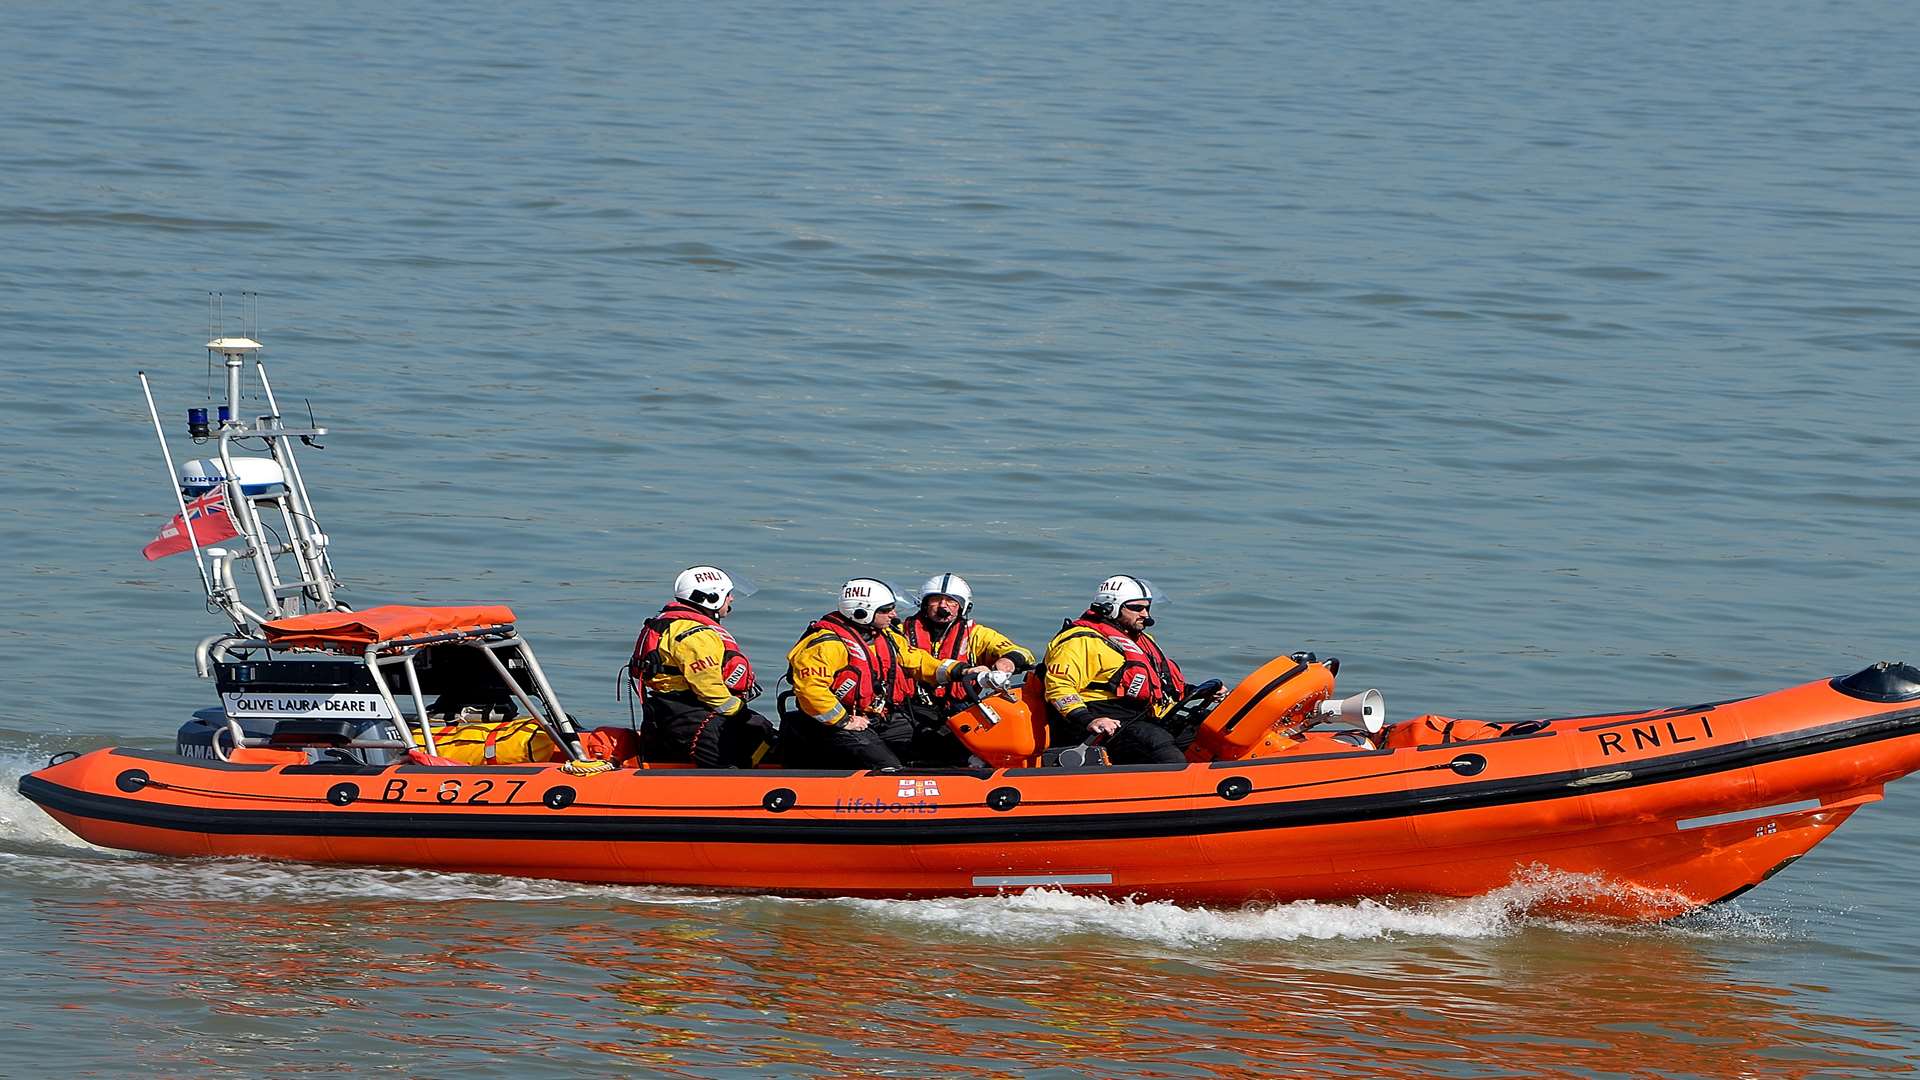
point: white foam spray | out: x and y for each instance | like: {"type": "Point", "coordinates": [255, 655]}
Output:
{"type": "Point", "coordinates": [22, 824]}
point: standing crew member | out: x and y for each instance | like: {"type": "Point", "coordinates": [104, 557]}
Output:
{"type": "Point", "coordinates": [1108, 681]}
{"type": "Point", "coordinates": [852, 673]}
{"type": "Point", "coordinates": [694, 681]}
{"type": "Point", "coordinates": [944, 626]}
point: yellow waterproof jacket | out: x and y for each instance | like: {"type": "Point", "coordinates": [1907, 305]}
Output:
{"type": "Point", "coordinates": [984, 644]}
{"type": "Point", "coordinates": [693, 655]}
{"type": "Point", "coordinates": [837, 671]}
{"type": "Point", "coordinates": [968, 642]}
{"type": "Point", "coordinates": [1082, 667]}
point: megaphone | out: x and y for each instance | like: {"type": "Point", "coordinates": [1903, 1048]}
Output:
{"type": "Point", "coordinates": [1367, 709]}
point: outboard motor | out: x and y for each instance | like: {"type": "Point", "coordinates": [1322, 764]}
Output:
{"type": "Point", "coordinates": [197, 736]}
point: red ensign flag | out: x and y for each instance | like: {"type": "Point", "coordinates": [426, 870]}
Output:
{"type": "Point", "coordinates": [211, 524]}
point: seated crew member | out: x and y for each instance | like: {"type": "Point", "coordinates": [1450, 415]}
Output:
{"type": "Point", "coordinates": [694, 682]}
{"type": "Point", "coordinates": [1107, 680]}
{"type": "Point", "coordinates": [852, 673]}
{"type": "Point", "coordinates": [944, 626]}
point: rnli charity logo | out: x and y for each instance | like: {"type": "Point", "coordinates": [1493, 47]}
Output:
{"type": "Point", "coordinates": [856, 592]}
{"type": "Point", "coordinates": [1137, 684]}
{"type": "Point", "coordinates": [912, 798]}
{"type": "Point", "coordinates": [845, 686]}
{"type": "Point", "coordinates": [706, 575]}
{"type": "Point", "coordinates": [1113, 584]}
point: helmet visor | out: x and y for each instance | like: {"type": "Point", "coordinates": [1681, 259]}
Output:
{"type": "Point", "coordinates": [743, 585]}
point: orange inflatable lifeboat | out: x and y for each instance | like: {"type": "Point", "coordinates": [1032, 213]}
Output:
{"type": "Point", "coordinates": [324, 749]}
{"type": "Point", "coordinates": [1648, 813]}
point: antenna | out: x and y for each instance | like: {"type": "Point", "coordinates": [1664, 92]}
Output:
{"type": "Point", "coordinates": [265, 496]}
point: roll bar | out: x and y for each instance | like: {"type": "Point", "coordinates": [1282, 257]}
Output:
{"type": "Point", "coordinates": [401, 652]}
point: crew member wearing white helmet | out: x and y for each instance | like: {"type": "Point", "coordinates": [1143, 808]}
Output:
{"type": "Point", "coordinates": [694, 681]}
{"type": "Point", "coordinates": [1108, 681]}
{"type": "Point", "coordinates": [852, 673]}
{"type": "Point", "coordinates": [944, 626]}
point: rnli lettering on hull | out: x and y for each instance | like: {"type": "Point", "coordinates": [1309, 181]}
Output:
{"type": "Point", "coordinates": [1656, 734]}
{"type": "Point", "coordinates": [284, 705]}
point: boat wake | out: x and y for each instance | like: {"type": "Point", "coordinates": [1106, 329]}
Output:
{"type": "Point", "coordinates": [1038, 915]}
{"type": "Point", "coordinates": [24, 826]}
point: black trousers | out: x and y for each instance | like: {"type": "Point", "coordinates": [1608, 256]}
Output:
{"type": "Point", "coordinates": [807, 743]}
{"type": "Point", "coordinates": [934, 743]}
{"type": "Point", "coordinates": [1141, 739]}
{"type": "Point", "coordinates": [681, 727]}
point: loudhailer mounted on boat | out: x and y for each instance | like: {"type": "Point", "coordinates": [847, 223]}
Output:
{"type": "Point", "coordinates": [322, 750]}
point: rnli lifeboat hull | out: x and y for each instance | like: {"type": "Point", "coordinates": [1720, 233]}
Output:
{"type": "Point", "coordinates": [1643, 815]}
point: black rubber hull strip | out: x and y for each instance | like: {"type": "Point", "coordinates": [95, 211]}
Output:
{"type": "Point", "coordinates": [538, 823]}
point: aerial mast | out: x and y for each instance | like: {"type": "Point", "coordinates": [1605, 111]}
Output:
{"type": "Point", "coordinates": [265, 496]}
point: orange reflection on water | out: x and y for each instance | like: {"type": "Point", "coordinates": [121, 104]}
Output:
{"type": "Point", "coordinates": [835, 988]}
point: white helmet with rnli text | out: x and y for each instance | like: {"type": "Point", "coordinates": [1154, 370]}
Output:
{"type": "Point", "coordinates": [949, 585]}
{"type": "Point", "coordinates": [1119, 589]}
{"type": "Point", "coordinates": [863, 596]}
{"type": "Point", "coordinates": [708, 587]}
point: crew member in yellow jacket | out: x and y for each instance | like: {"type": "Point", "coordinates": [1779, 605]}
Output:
{"type": "Point", "coordinates": [944, 626]}
{"type": "Point", "coordinates": [852, 674]}
{"type": "Point", "coordinates": [1107, 681]}
{"type": "Point", "coordinates": [694, 681]}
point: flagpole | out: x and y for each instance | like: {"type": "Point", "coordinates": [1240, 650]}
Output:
{"type": "Point", "coordinates": [173, 481]}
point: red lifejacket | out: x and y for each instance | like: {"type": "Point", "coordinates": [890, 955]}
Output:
{"type": "Point", "coordinates": [872, 672]}
{"type": "Point", "coordinates": [955, 644]}
{"type": "Point", "coordinates": [1146, 674]}
{"type": "Point", "coordinates": [735, 669]}
{"type": "Point", "coordinates": [1171, 679]}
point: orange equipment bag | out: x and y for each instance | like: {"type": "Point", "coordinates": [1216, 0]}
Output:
{"type": "Point", "coordinates": [1259, 718]}
{"type": "Point", "coordinates": [499, 742]}
{"type": "Point", "coordinates": [618, 745]}
{"type": "Point", "coordinates": [1433, 729]}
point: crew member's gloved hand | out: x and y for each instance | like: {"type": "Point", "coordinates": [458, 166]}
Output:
{"type": "Point", "coordinates": [1098, 728]}
{"type": "Point", "coordinates": [995, 682]}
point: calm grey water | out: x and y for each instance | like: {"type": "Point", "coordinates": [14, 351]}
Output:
{"type": "Point", "coordinates": [1533, 358]}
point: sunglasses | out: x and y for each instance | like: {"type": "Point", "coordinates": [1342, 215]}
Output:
{"type": "Point", "coordinates": [1134, 607]}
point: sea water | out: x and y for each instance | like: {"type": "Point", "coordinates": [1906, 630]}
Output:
{"type": "Point", "coordinates": [1532, 359]}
